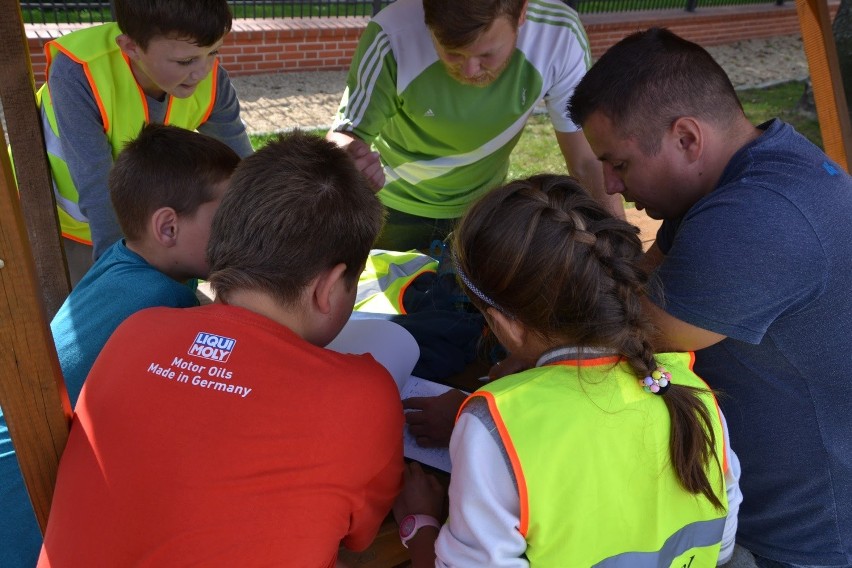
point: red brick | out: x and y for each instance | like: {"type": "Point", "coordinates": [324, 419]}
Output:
{"type": "Point", "coordinates": [258, 46]}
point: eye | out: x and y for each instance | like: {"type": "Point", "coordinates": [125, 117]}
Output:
{"type": "Point", "coordinates": [186, 62]}
{"type": "Point", "coordinates": [618, 166]}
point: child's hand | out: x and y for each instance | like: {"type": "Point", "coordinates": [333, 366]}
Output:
{"type": "Point", "coordinates": [433, 424]}
{"type": "Point", "coordinates": [422, 494]}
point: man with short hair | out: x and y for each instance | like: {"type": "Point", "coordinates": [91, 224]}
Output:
{"type": "Point", "coordinates": [443, 89]}
{"type": "Point", "coordinates": [754, 257]}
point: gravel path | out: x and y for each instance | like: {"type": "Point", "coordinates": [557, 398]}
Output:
{"type": "Point", "coordinates": [272, 103]}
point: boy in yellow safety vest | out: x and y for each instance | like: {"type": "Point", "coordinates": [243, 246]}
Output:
{"type": "Point", "coordinates": [156, 64]}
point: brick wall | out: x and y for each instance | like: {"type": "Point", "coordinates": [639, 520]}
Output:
{"type": "Point", "coordinates": [311, 44]}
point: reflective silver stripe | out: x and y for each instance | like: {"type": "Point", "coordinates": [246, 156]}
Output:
{"type": "Point", "coordinates": [694, 535]}
{"type": "Point", "coordinates": [54, 147]}
{"type": "Point", "coordinates": [69, 206]}
{"type": "Point", "coordinates": [395, 271]}
{"type": "Point", "coordinates": [51, 140]}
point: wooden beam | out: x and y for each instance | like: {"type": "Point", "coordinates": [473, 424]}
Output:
{"type": "Point", "coordinates": [833, 114]}
{"type": "Point", "coordinates": [17, 93]}
{"type": "Point", "coordinates": [32, 392]}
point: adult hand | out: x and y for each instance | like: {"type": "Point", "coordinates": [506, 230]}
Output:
{"type": "Point", "coordinates": [367, 161]}
{"type": "Point", "coordinates": [422, 494]}
{"type": "Point", "coordinates": [433, 418]}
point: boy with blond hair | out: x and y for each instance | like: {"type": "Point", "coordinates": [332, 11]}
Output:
{"type": "Point", "coordinates": [232, 437]}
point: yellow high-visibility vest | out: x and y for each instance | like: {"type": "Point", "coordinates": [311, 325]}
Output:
{"type": "Point", "coordinates": [386, 277]}
{"type": "Point", "coordinates": [589, 449]}
{"type": "Point", "coordinates": [123, 108]}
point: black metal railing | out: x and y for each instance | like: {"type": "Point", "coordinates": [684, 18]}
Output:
{"type": "Point", "coordinates": [92, 11]}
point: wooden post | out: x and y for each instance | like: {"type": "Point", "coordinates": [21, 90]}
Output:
{"type": "Point", "coordinates": [17, 92]}
{"type": "Point", "coordinates": [32, 392]}
{"type": "Point", "coordinates": [829, 97]}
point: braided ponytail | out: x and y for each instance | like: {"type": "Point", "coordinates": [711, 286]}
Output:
{"type": "Point", "coordinates": [550, 256]}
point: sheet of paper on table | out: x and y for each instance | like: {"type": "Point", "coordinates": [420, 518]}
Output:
{"type": "Point", "coordinates": [395, 348]}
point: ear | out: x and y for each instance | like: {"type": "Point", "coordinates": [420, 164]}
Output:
{"type": "Point", "coordinates": [128, 46]}
{"type": "Point", "coordinates": [507, 329]}
{"type": "Point", "coordinates": [690, 137]}
{"type": "Point", "coordinates": [523, 17]}
{"type": "Point", "coordinates": [328, 285]}
{"type": "Point", "coordinates": [164, 226]}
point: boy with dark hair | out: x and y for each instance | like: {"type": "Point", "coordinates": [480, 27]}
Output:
{"type": "Point", "coordinates": [165, 187]}
{"type": "Point", "coordinates": [156, 64]}
{"type": "Point", "coordinates": [233, 438]}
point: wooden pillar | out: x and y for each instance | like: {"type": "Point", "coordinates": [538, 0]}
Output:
{"type": "Point", "coordinates": [821, 52]}
{"type": "Point", "coordinates": [32, 392]}
{"type": "Point", "coordinates": [17, 93]}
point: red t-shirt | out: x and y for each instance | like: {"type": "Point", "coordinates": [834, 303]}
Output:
{"type": "Point", "coordinates": [213, 436]}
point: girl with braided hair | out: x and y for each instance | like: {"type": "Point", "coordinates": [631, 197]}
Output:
{"type": "Point", "coordinates": [602, 452]}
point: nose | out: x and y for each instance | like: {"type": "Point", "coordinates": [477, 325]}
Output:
{"type": "Point", "coordinates": [471, 67]}
{"type": "Point", "coordinates": [612, 181]}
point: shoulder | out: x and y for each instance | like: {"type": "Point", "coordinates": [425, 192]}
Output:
{"type": "Point", "coordinates": [223, 79]}
{"type": "Point", "coordinates": [780, 188]}
{"type": "Point", "coordinates": [553, 40]}
{"type": "Point", "coordinates": [368, 373]}
{"type": "Point", "coordinates": [401, 14]}
{"type": "Point", "coordinates": [64, 68]}
{"type": "Point", "coordinates": [784, 161]}
{"type": "Point", "coordinates": [402, 25]}
{"type": "Point", "coordinates": [550, 22]}
{"type": "Point", "coordinates": [124, 274]}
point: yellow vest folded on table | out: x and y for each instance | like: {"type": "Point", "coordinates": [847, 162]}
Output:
{"type": "Point", "coordinates": [386, 277]}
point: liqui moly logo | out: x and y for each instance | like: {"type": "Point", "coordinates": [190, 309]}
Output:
{"type": "Point", "coordinates": [213, 347]}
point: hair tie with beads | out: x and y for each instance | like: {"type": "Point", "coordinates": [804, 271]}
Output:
{"type": "Point", "coordinates": [657, 382]}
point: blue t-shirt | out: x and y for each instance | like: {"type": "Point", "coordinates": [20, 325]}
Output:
{"type": "Point", "coordinates": [766, 260]}
{"type": "Point", "coordinates": [119, 284]}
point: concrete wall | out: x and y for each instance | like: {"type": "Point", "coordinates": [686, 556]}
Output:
{"type": "Point", "coordinates": [312, 44]}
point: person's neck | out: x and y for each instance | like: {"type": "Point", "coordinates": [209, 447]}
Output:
{"type": "Point", "coordinates": [156, 257]}
{"type": "Point", "coordinates": [728, 142]}
{"type": "Point", "coordinates": [265, 305]}
{"type": "Point", "coordinates": [160, 258]}
{"type": "Point", "coordinates": [148, 87]}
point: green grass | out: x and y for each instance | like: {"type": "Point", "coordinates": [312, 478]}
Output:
{"type": "Point", "coordinates": [60, 16]}
{"type": "Point", "coordinates": [275, 10]}
{"type": "Point", "coordinates": [537, 150]}
{"type": "Point", "coordinates": [780, 101]}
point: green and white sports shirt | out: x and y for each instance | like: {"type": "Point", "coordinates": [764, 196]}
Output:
{"type": "Point", "coordinates": [442, 143]}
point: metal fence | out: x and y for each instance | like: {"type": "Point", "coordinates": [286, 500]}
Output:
{"type": "Point", "coordinates": [92, 11]}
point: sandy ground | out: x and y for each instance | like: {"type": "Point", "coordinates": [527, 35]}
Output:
{"type": "Point", "coordinates": [277, 102]}
{"type": "Point", "coordinates": [282, 101]}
